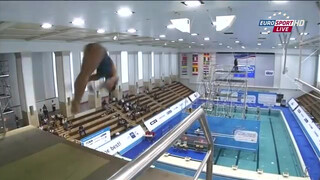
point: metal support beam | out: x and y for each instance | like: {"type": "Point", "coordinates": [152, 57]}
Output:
{"type": "Point", "coordinates": [6, 25]}
{"type": "Point", "coordinates": [55, 33]}
{"type": "Point", "coordinates": [307, 84]}
{"type": "Point", "coordinates": [93, 37]}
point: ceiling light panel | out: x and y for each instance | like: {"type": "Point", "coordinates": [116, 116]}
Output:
{"type": "Point", "coordinates": [224, 22]}
{"type": "Point", "coordinates": [124, 12]}
{"type": "Point", "coordinates": [46, 25]}
{"type": "Point", "coordinates": [182, 24]}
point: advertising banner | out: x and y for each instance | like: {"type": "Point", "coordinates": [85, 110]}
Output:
{"type": "Point", "coordinates": [124, 142]}
{"type": "Point", "coordinates": [293, 104]}
{"type": "Point", "coordinates": [97, 139]}
{"type": "Point", "coordinates": [184, 64]}
{"type": "Point", "coordinates": [195, 68]}
{"type": "Point", "coordinates": [310, 128]}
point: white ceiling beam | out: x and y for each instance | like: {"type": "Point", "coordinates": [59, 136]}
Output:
{"type": "Point", "coordinates": [6, 25]}
{"type": "Point", "coordinates": [95, 36]}
{"type": "Point", "coordinates": [55, 33]}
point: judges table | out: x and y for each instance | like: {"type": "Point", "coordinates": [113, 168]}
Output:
{"type": "Point", "coordinates": [29, 153]}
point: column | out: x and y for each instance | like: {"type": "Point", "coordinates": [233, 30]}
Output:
{"type": "Point", "coordinates": [26, 89]}
{"type": "Point", "coordinates": [64, 82]}
{"type": "Point", "coordinates": [94, 99]}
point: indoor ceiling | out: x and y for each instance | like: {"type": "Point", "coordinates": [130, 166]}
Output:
{"type": "Point", "coordinates": [150, 19]}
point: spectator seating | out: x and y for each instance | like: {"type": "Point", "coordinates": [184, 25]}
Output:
{"type": "Point", "coordinates": [311, 104]}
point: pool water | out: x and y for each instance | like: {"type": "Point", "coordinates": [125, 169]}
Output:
{"type": "Point", "coordinates": [275, 151]}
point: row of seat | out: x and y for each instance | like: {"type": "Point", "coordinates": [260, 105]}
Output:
{"type": "Point", "coordinates": [157, 100]}
{"type": "Point", "coordinates": [311, 103]}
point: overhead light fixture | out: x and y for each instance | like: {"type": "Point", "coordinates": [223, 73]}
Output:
{"type": "Point", "coordinates": [274, 14]}
{"type": "Point", "coordinates": [165, 44]}
{"type": "Point", "coordinates": [192, 3]}
{"type": "Point", "coordinates": [265, 29]}
{"type": "Point", "coordinates": [288, 17]}
{"type": "Point", "coordinates": [170, 26]}
{"type": "Point", "coordinates": [189, 46]}
{"type": "Point", "coordinates": [162, 36]}
{"type": "Point", "coordinates": [237, 42]}
{"type": "Point", "coordinates": [292, 39]}
{"type": "Point", "coordinates": [265, 32]}
{"type": "Point", "coordinates": [194, 34]}
{"type": "Point", "coordinates": [228, 47]}
{"type": "Point", "coordinates": [214, 23]}
{"type": "Point", "coordinates": [182, 24]}
{"type": "Point", "coordinates": [115, 38]}
{"type": "Point", "coordinates": [193, 42]}
{"type": "Point", "coordinates": [77, 22]}
{"type": "Point", "coordinates": [224, 22]}
{"type": "Point", "coordinates": [279, 12]}
{"type": "Point", "coordinates": [273, 47]}
{"type": "Point", "coordinates": [280, 2]}
{"type": "Point", "coordinates": [132, 30]}
{"type": "Point", "coordinates": [279, 44]}
{"type": "Point", "coordinates": [124, 12]}
{"type": "Point", "coordinates": [172, 41]}
{"type": "Point", "coordinates": [284, 14]}
{"type": "Point", "coordinates": [304, 33]}
{"type": "Point", "coordinates": [259, 44]}
{"type": "Point", "coordinates": [220, 44]}
{"type": "Point", "coordinates": [201, 44]}
{"type": "Point", "coordinates": [101, 31]}
{"type": "Point", "coordinates": [268, 32]}
{"type": "Point", "coordinates": [46, 25]}
{"type": "Point", "coordinates": [295, 47]}
{"type": "Point", "coordinates": [242, 47]}
{"type": "Point", "coordinates": [206, 38]}
{"type": "Point", "coordinates": [269, 17]}
{"type": "Point", "coordinates": [180, 39]}
{"type": "Point", "coordinates": [157, 39]}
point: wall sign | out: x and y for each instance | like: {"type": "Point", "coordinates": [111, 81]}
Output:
{"type": "Point", "coordinates": [124, 142]}
{"type": "Point", "coordinates": [206, 63]}
{"type": "Point", "coordinates": [311, 130]}
{"type": "Point", "coordinates": [97, 139]}
{"type": "Point", "coordinates": [269, 73]}
{"type": "Point", "coordinates": [195, 68]}
{"type": "Point", "coordinates": [293, 104]}
{"type": "Point", "coordinates": [267, 99]}
{"type": "Point", "coordinates": [184, 64]}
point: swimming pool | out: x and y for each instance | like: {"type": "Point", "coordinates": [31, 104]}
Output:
{"type": "Point", "coordinates": [276, 153]}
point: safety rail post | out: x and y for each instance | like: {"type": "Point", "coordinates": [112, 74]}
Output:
{"type": "Point", "coordinates": [134, 168]}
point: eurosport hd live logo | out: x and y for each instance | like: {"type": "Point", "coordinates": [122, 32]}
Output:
{"type": "Point", "coordinates": [281, 26]}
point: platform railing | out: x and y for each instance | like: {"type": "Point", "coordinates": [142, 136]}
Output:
{"type": "Point", "coordinates": [145, 160]}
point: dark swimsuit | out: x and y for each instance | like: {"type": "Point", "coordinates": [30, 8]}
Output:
{"type": "Point", "coordinates": [105, 67]}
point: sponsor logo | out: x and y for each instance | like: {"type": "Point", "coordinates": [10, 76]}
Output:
{"type": "Point", "coordinates": [306, 120]}
{"type": "Point", "coordinates": [169, 112]}
{"type": "Point", "coordinates": [282, 25]}
{"type": "Point", "coordinates": [132, 135]}
{"type": "Point", "coordinates": [153, 122]}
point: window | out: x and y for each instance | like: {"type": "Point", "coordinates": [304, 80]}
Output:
{"type": "Point", "coordinates": [71, 71]}
{"type": "Point", "coordinates": [124, 67]}
{"type": "Point", "coordinates": [140, 69]}
{"type": "Point", "coordinates": [55, 74]}
{"type": "Point", "coordinates": [81, 59]}
{"type": "Point", "coordinates": [152, 64]}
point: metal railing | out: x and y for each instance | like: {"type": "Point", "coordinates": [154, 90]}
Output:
{"type": "Point", "coordinates": [145, 160]}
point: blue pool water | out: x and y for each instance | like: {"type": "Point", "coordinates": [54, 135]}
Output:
{"type": "Point", "coordinates": [275, 152]}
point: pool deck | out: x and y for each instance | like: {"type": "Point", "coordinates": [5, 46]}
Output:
{"type": "Point", "coordinates": [309, 157]}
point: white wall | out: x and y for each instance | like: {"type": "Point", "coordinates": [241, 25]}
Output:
{"type": "Point", "coordinates": [42, 51]}
{"type": "Point", "coordinates": [283, 83]}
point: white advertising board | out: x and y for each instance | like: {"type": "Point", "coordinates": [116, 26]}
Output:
{"type": "Point", "coordinates": [123, 142]}
{"type": "Point", "coordinates": [165, 115]}
{"type": "Point", "coordinates": [193, 96]}
{"type": "Point", "coordinates": [267, 99]}
{"type": "Point", "coordinates": [293, 104]}
{"type": "Point", "coordinates": [311, 128]}
{"type": "Point", "coordinates": [96, 139]}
